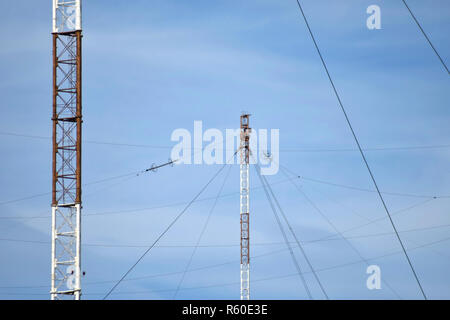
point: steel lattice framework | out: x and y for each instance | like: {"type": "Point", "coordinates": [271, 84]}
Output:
{"type": "Point", "coordinates": [66, 182]}
{"type": "Point", "coordinates": [244, 206]}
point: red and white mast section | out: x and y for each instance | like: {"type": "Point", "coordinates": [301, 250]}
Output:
{"type": "Point", "coordinates": [66, 154]}
{"type": "Point", "coordinates": [244, 206]}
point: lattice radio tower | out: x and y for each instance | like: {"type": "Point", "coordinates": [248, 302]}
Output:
{"type": "Point", "coordinates": [244, 206]}
{"type": "Point", "coordinates": [67, 119]}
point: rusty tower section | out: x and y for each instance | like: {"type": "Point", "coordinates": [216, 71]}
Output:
{"type": "Point", "coordinates": [66, 171]}
{"type": "Point", "coordinates": [244, 206]}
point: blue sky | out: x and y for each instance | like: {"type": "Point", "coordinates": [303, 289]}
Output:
{"type": "Point", "coordinates": [155, 66]}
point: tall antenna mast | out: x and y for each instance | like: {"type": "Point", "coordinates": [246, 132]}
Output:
{"type": "Point", "coordinates": [244, 207]}
{"type": "Point", "coordinates": [67, 119]}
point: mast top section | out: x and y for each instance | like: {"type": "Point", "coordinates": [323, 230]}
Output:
{"type": "Point", "coordinates": [245, 123]}
{"type": "Point", "coordinates": [66, 16]}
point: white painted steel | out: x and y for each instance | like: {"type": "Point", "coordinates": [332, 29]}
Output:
{"type": "Point", "coordinates": [66, 16]}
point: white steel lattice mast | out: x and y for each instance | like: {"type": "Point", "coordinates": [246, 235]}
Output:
{"type": "Point", "coordinates": [66, 182]}
{"type": "Point", "coordinates": [244, 206]}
